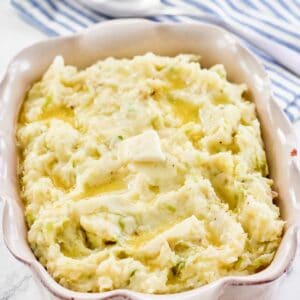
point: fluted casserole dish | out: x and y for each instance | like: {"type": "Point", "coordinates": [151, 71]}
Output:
{"type": "Point", "coordinates": [214, 46]}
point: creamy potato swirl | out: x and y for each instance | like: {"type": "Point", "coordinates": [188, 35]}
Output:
{"type": "Point", "coordinates": [146, 174]}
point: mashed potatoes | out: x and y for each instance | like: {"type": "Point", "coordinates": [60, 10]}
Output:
{"type": "Point", "coordinates": [146, 174]}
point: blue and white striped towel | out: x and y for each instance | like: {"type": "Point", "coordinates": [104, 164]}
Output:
{"type": "Point", "coordinates": [278, 20]}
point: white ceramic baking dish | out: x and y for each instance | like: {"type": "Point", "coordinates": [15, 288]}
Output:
{"type": "Point", "coordinates": [127, 38]}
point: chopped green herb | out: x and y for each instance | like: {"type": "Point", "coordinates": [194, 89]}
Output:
{"type": "Point", "coordinates": [154, 188]}
{"type": "Point", "coordinates": [132, 273]}
{"type": "Point", "coordinates": [121, 224]}
{"type": "Point", "coordinates": [49, 226]}
{"type": "Point", "coordinates": [131, 108]}
{"type": "Point", "coordinates": [30, 218]}
{"type": "Point", "coordinates": [47, 101]}
{"type": "Point", "coordinates": [177, 268]}
{"type": "Point", "coordinates": [170, 208]}
{"type": "Point", "coordinates": [120, 137]}
{"type": "Point", "coordinates": [130, 276]}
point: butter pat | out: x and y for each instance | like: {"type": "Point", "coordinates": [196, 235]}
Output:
{"type": "Point", "coordinates": [144, 147]}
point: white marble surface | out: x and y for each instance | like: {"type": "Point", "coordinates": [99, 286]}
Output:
{"type": "Point", "coordinates": [16, 281]}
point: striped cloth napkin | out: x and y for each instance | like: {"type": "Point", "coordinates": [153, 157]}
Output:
{"type": "Point", "coordinates": [278, 20]}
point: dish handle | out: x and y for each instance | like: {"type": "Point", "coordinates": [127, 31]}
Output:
{"type": "Point", "coordinates": [10, 230]}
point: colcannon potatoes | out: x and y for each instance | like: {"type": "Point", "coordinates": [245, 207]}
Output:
{"type": "Point", "coordinates": [146, 174]}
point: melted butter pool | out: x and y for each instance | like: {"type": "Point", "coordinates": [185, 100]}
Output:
{"type": "Point", "coordinates": [184, 111]}
{"type": "Point", "coordinates": [61, 113]}
{"type": "Point", "coordinates": [116, 185]}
